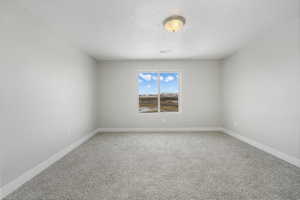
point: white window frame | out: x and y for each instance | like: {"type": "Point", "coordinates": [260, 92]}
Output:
{"type": "Point", "coordinates": [158, 85]}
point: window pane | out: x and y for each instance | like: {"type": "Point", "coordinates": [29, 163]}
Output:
{"type": "Point", "coordinates": [169, 90]}
{"type": "Point", "coordinates": [148, 92]}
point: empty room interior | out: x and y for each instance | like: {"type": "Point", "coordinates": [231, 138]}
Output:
{"type": "Point", "coordinates": [150, 100]}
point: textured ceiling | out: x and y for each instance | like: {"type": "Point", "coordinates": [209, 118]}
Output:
{"type": "Point", "coordinates": [132, 29]}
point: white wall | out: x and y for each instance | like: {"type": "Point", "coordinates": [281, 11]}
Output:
{"type": "Point", "coordinates": [261, 89]}
{"type": "Point", "coordinates": [47, 98]}
{"type": "Point", "coordinates": [118, 95]}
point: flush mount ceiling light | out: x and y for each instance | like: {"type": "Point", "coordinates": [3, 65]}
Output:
{"type": "Point", "coordinates": [174, 23]}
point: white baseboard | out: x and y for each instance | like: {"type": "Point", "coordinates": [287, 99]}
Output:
{"type": "Point", "coordinates": [15, 184]}
{"type": "Point", "coordinates": [125, 130]}
{"type": "Point", "coordinates": [290, 159]}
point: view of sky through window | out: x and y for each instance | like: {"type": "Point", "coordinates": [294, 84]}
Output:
{"type": "Point", "coordinates": [148, 83]}
{"type": "Point", "coordinates": [169, 83]}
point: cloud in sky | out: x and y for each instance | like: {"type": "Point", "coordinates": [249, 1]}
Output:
{"type": "Point", "coordinates": [169, 78]}
{"type": "Point", "coordinates": [148, 86]}
{"type": "Point", "coordinates": [146, 77]}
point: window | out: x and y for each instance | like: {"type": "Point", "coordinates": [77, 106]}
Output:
{"type": "Point", "coordinates": [158, 92]}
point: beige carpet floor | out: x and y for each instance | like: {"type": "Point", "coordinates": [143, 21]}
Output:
{"type": "Point", "coordinates": [164, 166]}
